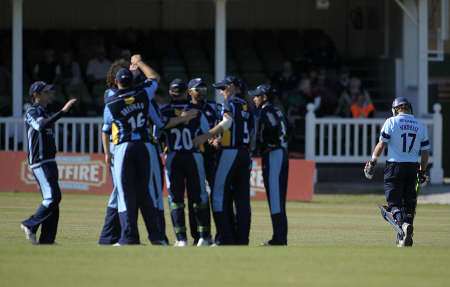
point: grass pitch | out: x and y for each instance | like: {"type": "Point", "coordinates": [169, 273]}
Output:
{"type": "Point", "coordinates": [333, 241]}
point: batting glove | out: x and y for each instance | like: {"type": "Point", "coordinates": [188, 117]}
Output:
{"type": "Point", "coordinates": [422, 177]}
{"type": "Point", "coordinates": [369, 169]}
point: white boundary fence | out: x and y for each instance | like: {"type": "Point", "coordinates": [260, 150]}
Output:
{"type": "Point", "coordinates": [82, 135]}
{"type": "Point", "coordinates": [338, 140]}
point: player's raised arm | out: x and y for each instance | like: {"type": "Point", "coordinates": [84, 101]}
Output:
{"type": "Point", "coordinates": [149, 72]}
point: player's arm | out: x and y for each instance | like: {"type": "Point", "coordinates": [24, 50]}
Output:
{"type": "Point", "coordinates": [369, 168]}
{"type": "Point", "coordinates": [385, 138]}
{"type": "Point", "coordinates": [424, 157]}
{"type": "Point", "coordinates": [40, 123]}
{"type": "Point", "coordinates": [106, 131]}
{"type": "Point", "coordinates": [221, 127]}
{"type": "Point", "coordinates": [149, 72]}
{"type": "Point", "coordinates": [224, 125]}
{"type": "Point", "coordinates": [185, 117]}
{"type": "Point", "coordinates": [105, 141]}
{"type": "Point", "coordinates": [165, 122]}
{"type": "Point", "coordinates": [378, 150]}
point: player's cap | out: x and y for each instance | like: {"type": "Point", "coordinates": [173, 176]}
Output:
{"type": "Point", "coordinates": [124, 77]}
{"type": "Point", "coordinates": [195, 83]}
{"type": "Point", "coordinates": [400, 101]}
{"type": "Point", "coordinates": [229, 80]}
{"type": "Point", "coordinates": [177, 86]}
{"type": "Point", "coordinates": [264, 89]}
{"type": "Point", "coordinates": [39, 87]}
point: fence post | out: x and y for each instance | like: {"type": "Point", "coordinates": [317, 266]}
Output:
{"type": "Point", "coordinates": [310, 133]}
{"type": "Point", "coordinates": [436, 172]}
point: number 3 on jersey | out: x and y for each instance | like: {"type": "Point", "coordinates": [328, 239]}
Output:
{"type": "Point", "coordinates": [405, 137]}
{"type": "Point", "coordinates": [137, 122]}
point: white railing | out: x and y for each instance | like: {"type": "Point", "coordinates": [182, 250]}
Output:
{"type": "Point", "coordinates": [338, 140]}
{"type": "Point", "coordinates": [82, 135]}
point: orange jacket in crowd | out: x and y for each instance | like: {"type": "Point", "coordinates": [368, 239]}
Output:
{"type": "Point", "coordinates": [362, 111]}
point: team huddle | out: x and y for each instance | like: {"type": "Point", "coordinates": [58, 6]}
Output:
{"type": "Point", "coordinates": [205, 146]}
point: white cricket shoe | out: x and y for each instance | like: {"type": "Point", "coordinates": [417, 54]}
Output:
{"type": "Point", "coordinates": [204, 242]}
{"type": "Point", "coordinates": [407, 240]}
{"type": "Point", "coordinates": [29, 235]}
{"type": "Point", "coordinates": [408, 230]}
{"type": "Point", "coordinates": [180, 243]}
{"type": "Point", "coordinates": [401, 243]}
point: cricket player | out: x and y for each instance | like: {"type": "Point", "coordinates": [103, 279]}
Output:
{"type": "Point", "coordinates": [232, 179]}
{"type": "Point", "coordinates": [406, 140]}
{"type": "Point", "coordinates": [110, 233]}
{"type": "Point", "coordinates": [185, 171]}
{"type": "Point", "coordinates": [126, 119]}
{"type": "Point", "coordinates": [197, 92]}
{"type": "Point", "coordinates": [39, 124]}
{"type": "Point", "coordinates": [272, 144]}
{"type": "Point", "coordinates": [141, 74]}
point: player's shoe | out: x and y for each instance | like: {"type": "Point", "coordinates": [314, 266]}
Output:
{"type": "Point", "coordinates": [204, 242]}
{"type": "Point", "coordinates": [117, 244]}
{"type": "Point", "coordinates": [181, 243]}
{"type": "Point", "coordinates": [273, 243]}
{"type": "Point", "coordinates": [29, 235]}
{"type": "Point", "coordinates": [408, 230]}
{"type": "Point", "coordinates": [400, 243]}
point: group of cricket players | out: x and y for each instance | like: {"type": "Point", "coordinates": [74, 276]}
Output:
{"type": "Point", "coordinates": [202, 149]}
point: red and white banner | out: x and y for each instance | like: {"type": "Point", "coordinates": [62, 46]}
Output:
{"type": "Point", "coordinates": [87, 173]}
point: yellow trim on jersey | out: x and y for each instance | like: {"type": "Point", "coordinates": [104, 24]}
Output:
{"type": "Point", "coordinates": [129, 100]}
{"type": "Point", "coordinates": [226, 138]}
{"type": "Point", "coordinates": [115, 133]}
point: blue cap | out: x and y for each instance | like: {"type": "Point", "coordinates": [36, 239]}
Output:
{"type": "Point", "coordinates": [39, 87]}
{"type": "Point", "coordinates": [229, 80]}
{"type": "Point", "coordinates": [264, 89]}
{"type": "Point", "coordinates": [124, 76]}
{"type": "Point", "coordinates": [195, 83]}
{"type": "Point", "coordinates": [177, 86]}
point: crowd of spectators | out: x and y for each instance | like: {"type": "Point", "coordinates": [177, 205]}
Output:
{"type": "Point", "coordinates": [333, 92]}
{"type": "Point", "coordinates": [80, 72]}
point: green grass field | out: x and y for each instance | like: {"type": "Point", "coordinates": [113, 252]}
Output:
{"type": "Point", "coordinates": [333, 241]}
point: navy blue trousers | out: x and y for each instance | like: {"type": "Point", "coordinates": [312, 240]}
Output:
{"type": "Point", "coordinates": [185, 173]}
{"type": "Point", "coordinates": [275, 167]}
{"type": "Point", "coordinates": [400, 181]}
{"type": "Point", "coordinates": [231, 197]}
{"type": "Point", "coordinates": [210, 163]}
{"type": "Point", "coordinates": [47, 214]}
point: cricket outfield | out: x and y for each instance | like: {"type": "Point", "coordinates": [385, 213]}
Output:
{"type": "Point", "coordinates": [336, 240]}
